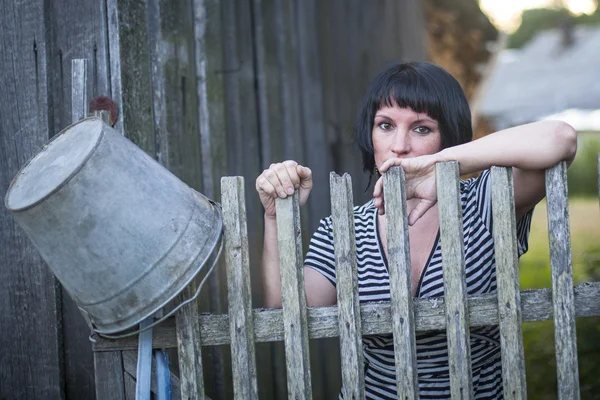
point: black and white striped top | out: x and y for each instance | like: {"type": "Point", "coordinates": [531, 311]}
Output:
{"type": "Point", "coordinates": [373, 282]}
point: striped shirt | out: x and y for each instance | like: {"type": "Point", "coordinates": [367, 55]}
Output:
{"type": "Point", "coordinates": [373, 285]}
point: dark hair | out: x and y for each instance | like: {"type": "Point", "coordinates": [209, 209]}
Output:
{"type": "Point", "coordinates": [425, 88]}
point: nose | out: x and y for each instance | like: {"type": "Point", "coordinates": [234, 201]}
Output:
{"type": "Point", "coordinates": [401, 144]}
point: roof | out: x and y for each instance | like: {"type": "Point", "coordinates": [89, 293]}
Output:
{"type": "Point", "coordinates": [544, 78]}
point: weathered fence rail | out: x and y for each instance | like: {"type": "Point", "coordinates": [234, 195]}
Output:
{"type": "Point", "coordinates": [403, 316]}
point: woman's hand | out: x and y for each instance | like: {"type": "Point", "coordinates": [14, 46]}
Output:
{"type": "Point", "coordinates": [419, 175]}
{"type": "Point", "coordinates": [281, 180]}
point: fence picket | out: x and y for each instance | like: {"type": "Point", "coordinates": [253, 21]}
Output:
{"type": "Point", "coordinates": [189, 349]}
{"type": "Point", "coordinates": [455, 290]}
{"type": "Point", "coordinates": [353, 381]}
{"type": "Point", "coordinates": [403, 324]}
{"type": "Point", "coordinates": [562, 282]}
{"type": "Point", "coordinates": [507, 275]}
{"type": "Point", "coordinates": [241, 327]}
{"type": "Point", "coordinates": [295, 323]}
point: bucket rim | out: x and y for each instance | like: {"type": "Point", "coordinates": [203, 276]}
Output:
{"type": "Point", "coordinates": [65, 181]}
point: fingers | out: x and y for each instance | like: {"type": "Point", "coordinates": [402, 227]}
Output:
{"type": "Point", "coordinates": [378, 189]}
{"type": "Point", "coordinates": [392, 162]}
{"type": "Point", "coordinates": [282, 179]}
{"type": "Point", "coordinates": [305, 175]}
{"type": "Point", "coordinates": [379, 205]}
{"type": "Point", "coordinates": [378, 196]}
{"type": "Point", "coordinates": [264, 185]}
{"type": "Point", "coordinates": [278, 176]}
{"type": "Point", "coordinates": [420, 209]}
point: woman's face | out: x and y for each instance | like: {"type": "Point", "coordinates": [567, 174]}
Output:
{"type": "Point", "coordinates": [404, 133]}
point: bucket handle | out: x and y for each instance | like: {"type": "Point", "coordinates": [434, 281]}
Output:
{"type": "Point", "coordinates": [158, 321]}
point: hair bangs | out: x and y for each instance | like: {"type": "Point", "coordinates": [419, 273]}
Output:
{"type": "Point", "coordinates": [412, 90]}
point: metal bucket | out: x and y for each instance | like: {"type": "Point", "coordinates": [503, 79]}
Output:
{"type": "Point", "coordinates": [121, 233]}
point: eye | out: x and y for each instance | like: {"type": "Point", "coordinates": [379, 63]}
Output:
{"type": "Point", "coordinates": [386, 126]}
{"type": "Point", "coordinates": [422, 130]}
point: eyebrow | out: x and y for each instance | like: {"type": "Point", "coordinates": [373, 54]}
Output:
{"type": "Point", "coordinates": [425, 120]}
{"type": "Point", "coordinates": [418, 121]}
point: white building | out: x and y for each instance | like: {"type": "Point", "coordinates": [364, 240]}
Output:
{"type": "Point", "coordinates": [546, 79]}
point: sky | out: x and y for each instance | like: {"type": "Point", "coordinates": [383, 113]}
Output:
{"type": "Point", "coordinates": [506, 14]}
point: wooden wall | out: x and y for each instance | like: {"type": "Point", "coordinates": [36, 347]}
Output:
{"type": "Point", "coordinates": [209, 88]}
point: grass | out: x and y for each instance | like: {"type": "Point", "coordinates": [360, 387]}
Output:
{"type": "Point", "coordinates": [538, 337]}
{"type": "Point", "coordinates": [585, 244]}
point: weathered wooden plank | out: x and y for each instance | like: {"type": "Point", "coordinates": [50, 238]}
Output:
{"type": "Point", "coordinates": [341, 44]}
{"type": "Point", "coordinates": [31, 364]}
{"type": "Point", "coordinates": [129, 382]}
{"type": "Point", "coordinates": [210, 95]}
{"type": "Point", "coordinates": [507, 275]}
{"type": "Point", "coordinates": [175, 100]}
{"type": "Point", "coordinates": [130, 71]}
{"type": "Point", "coordinates": [209, 85]}
{"type": "Point", "coordinates": [189, 348]}
{"type": "Point", "coordinates": [289, 240]}
{"type": "Point", "coordinates": [161, 51]}
{"type": "Point", "coordinates": [109, 375]}
{"type": "Point", "coordinates": [262, 103]}
{"type": "Point", "coordinates": [376, 318]}
{"type": "Point", "coordinates": [312, 111]}
{"type": "Point", "coordinates": [286, 51]}
{"type": "Point", "coordinates": [240, 295]}
{"type": "Point", "coordinates": [79, 90]}
{"type": "Point", "coordinates": [353, 379]}
{"type": "Point", "coordinates": [559, 236]}
{"type": "Point", "coordinates": [455, 287]}
{"type": "Point", "coordinates": [409, 23]}
{"type": "Point", "coordinates": [398, 247]}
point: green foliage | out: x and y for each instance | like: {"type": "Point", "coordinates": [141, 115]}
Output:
{"type": "Point", "coordinates": [534, 21]}
{"type": "Point", "coordinates": [583, 173]}
{"type": "Point", "coordinates": [539, 19]}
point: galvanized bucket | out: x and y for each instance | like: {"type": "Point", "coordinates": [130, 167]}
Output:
{"type": "Point", "coordinates": [121, 233]}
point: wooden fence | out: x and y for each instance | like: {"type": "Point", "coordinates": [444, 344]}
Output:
{"type": "Point", "coordinates": [244, 326]}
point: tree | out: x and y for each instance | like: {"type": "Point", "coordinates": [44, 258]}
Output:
{"type": "Point", "coordinates": [536, 20]}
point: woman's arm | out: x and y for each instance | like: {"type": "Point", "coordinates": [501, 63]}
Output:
{"type": "Point", "coordinates": [279, 181]}
{"type": "Point", "coordinates": [270, 274]}
{"type": "Point", "coordinates": [529, 149]}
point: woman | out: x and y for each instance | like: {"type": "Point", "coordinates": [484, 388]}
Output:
{"type": "Point", "coordinates": [415, 115]}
